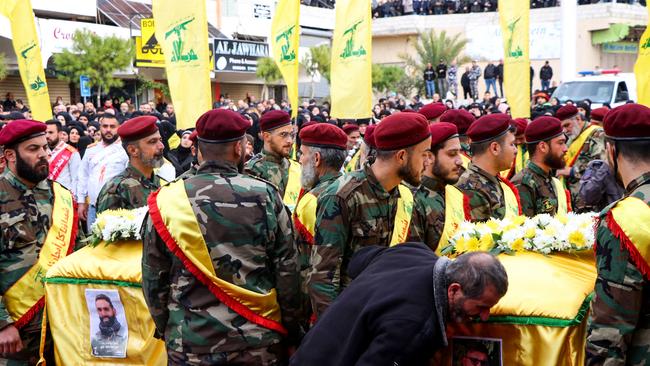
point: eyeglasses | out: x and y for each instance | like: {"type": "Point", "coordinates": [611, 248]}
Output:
{"type": "Point", "coordinates": [286, 135]}
{"type": "Point", "coordinates": [477, 362]}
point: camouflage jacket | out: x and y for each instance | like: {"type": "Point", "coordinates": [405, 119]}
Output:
{"type": "Point", "coordinates": [484, 191]}
{"type": "Point", "coordinates": [619, 321]}
{"type": "Point", "coordinates": [428, 220]}
{"type": "Point", "coordinates": [249, 236]}
{"type": "Point", "coordinates": [127, 190]}
{"type": "Point", "coordinates": [270, 167]}
{"type": "Point", "coordinates": [536, 191]}
{"type": "Point", "coordinates": [353, 212]}
{"type": "Point", "coordinates": [593, 149]}
{"type": "Point", "coordinates": [25, 218]}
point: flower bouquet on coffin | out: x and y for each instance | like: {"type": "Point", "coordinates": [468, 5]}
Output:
{"type": "Point", "coordinates": [543, 234]}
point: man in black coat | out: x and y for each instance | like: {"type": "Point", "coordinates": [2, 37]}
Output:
{"type": "Point", "coordinates": [396, 309]}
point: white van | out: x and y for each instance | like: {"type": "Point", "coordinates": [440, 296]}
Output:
{"type": "Point", "coordinates": [615, 89]}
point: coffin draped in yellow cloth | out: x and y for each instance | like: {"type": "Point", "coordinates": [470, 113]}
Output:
{"type": "Point", "coordinates": [116, 266]}
{"type": "Point", "coordinates": [542, 319]}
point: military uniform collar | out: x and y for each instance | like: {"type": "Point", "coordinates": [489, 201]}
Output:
{"type": "Point", "coordinates": [375, 185]}
{"type": "Point", "coordinates": [433, 184]}
{"type": "Point", "coordinates": [19, 185]}
{"type": "Point", "coordinates": [537, 170]}
{"type": "Point", "coordinates": [638, 182]}
{"type": "Point", "coordinates": [217, 166]}
{"type": "Point", "coordinates": [272, 157]}
{"type": "Point", "coordinates": [476, 169]}
{"type": "Point", "coordinates": [135, 173]}
{"type": "Point", "coordinates": [329, 176]}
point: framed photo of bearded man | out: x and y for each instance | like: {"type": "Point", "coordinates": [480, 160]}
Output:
{"type": "Point", "coordinates": [109, 331]}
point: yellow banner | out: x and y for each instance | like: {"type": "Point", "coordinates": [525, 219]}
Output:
{"type": "Point", "coordinates": [182, 31]}
{"type": "Point", "coordinates": [285, 40]}
{"type": "Point", "coordinates": [403, 216]}
{"type": "Point", "coordinates": [292, 191]}
{"type": "Point", "coordinates": [514, 17]}
{"type": "Point", "coordinates": [351, 84]}
{"type": "Point", "coordinates": [642, 67]}
{"type": "Point", "coordinates": [28, 53]}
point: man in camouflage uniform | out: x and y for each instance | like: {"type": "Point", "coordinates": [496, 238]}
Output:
{"type": "Point", "coordinates": [619, 321]}
{"type": "Point", "coordinates": [441, 168]}
{"type": "Point", "coordinates": [547, 145]}
{"type": "Point", "coordinates": [323, 152]}
{"type": "Point", "coordinates": [26, 204]}
{"type": "Point", "coordinates": [593, 148]}
{"type": "Point", "coordinates": [130, 189]}
{"type": "Point", "coordinates": [272, 164]}
{"type": "Point", "coordinates": [249, 238]}
{"type": "Point", "coordinates": [462, 119]}
{"type": "Point", "coordinates": [360, 208]}
{"type": "Point", "coordinates": [493, 149]}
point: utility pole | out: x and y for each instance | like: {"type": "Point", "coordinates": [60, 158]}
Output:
{"type": "Point", "coordinates": [569, 11]}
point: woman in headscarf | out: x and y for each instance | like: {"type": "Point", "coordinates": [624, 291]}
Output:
{"type": "Point", "coordinates": [64, 118]}
{"type": "Point", "coordinates": [181, 157]}
{"type": "Point", "coordinates": [78, 139]}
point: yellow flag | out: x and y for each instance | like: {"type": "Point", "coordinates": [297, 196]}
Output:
{"type": "Point", "coordinates": [285, 40]}
{"type": "Point", "coordinates": [642, 68]}
{"type": "Point", "coordinates": [351, 84]}
{"type": "Point", "coordinates": [514, 17]}
{"type": "Point", "coordinates": [182, 31]}
{"type": "Point", "coordinates": [28, 53]}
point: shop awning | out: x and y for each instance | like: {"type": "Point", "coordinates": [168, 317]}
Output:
{"type": "Point", "coordinates": [614, 33]}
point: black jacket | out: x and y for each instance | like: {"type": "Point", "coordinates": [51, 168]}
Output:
{"type": "Point", "coordinates": [387, 316]}
{"type": "Point", "coordinates": [429, 74]}
{"type": "Point", "coordinates": [441, 71]}
{"type": "Point", "coordinates": [490, 72]}
{"type": "Point", "coordinates": [546, 73]}
{"type": "Point", "coordinates": [464, 80]}
{"type": "Point", "coordinates": [499, 73]}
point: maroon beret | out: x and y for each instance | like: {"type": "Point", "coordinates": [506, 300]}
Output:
{"type": "Point", "coordinates": [274, 119]}
{"type": "Point", "coordinates": [137, 128]}
{"type": "Point", "coordinates": [401, 130]}
{"type": "Point", "coordinates": [20, 130]}
{"type": "Point", "coordinates": [369, 137]}
{"type": "Point", "coordinates": [489, 127]}
{"type": "Point", "coordinates": [599, 114]}
{"type": "Point", "coordinates": [433, 110]}
{"type": "Point", "coordinates": [441, 132]}
{"type": "Point", "coordinates": [566, 112]}
{"type": "Point", "coordinates": [324, 135]}
{"type": "Point", "coordinates": [349, 128]}
{"type": "Point", "coordinates": [628, 122]}
{"type": "Point", "coordinates": [220, 126]}
{"type": "Point", "coordinates": [542, 129]}
{"type": "Point", "coordinates": [520, 124]}
{"type": "Point", "coordinates": [460, 117]}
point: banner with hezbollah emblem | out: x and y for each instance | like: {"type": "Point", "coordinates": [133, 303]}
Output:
{"type": "Point", "coordinates": [28, 53]}
{"type": "Point", "coordinates": [514, 17]}
{"type": "Point", "coordinates": [182, 31]}
{"type": "Point", "coordinates": [642, 67]}
{"type": "Point", "coordinates": [285, 40]}
{"type": "Point", "coordinates": [351, 84]}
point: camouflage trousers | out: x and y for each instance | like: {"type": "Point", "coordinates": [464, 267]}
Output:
{"type": "Point", "coordinates": [266, 356]}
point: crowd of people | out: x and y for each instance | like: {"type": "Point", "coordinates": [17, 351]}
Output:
{"type": "Point", "coordinates": [310, 210]}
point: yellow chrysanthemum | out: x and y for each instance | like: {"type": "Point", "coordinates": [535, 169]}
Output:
{"type": "Point", "coordinates": [577, 238]}
{"type": "Point", "coordinates": [530, 233]}
{"type": "Point", "coordinates": [460, 245]}
{"type": "Point", "coordinates": [472, 244]}
{"type": "Point", "coordinates": [486, 242]}
{"type": "Point", "coordinates": [519, 220]}
{"type": "Point", "coordinates": [518, 245]}
{"type": "Point", "coordinates": [493, 225]}
{"type": "Point", "coordinates": [563, 219]}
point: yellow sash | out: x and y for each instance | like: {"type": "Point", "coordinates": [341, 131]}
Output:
{"type": "Point", "coordinates": [352, 164]}
{"type": "Point", "coordinates": [292, 191]}
{"type": "Point", "coordinates": [629, 221]}
{"type": "Point", "coordinates": [521, 159]}
{"type": "Point", "coordinates": [176, 224]}
{"type": "Point", "coordinates": [304, 217]}
{"type": "Point", "coordinates": [403, 216]}
{"type": "Point", "coordinates": [466, 160]}
{"type": "Point", "coordinates": [562, 204]}
{"type": "Point", "coordinates": [454, 214]}
{"type": "Point", "coordinates": [576, 146]}
{"type": "Point", "coordinates": [26, 297]}
{"type": "Point", "coordinates": [512, 200]}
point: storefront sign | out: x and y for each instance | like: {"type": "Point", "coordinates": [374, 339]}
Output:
{"type": "Point", "coordinates": [238, 56]}
{"type": "Point", "coordinates": [621, 47]}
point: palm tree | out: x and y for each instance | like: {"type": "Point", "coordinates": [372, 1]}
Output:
{"type": "Point", "coordinates": [268, 71]}
{"type": "Point", "coordinates": [431, 48]}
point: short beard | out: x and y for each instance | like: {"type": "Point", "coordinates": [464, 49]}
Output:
{"type": "Point", "coordinates": [554, 162]}
{"type": "Point", "coordinates": [54, 143]}
{"type": "Point", "coordinates": [309, 177]}
{"type": "Point", "coordinates": [111, 140]}
{"type": "Point", "coordinates": [155, 162]}
{"type": "Point", "coordinates": [443, 174]}
{"type": "Point", "coordinates": [456, 312]}
{"type": "Point", "coordinates": [32, 174]}
{"type": "Point", "coordinates": [409, 176]}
